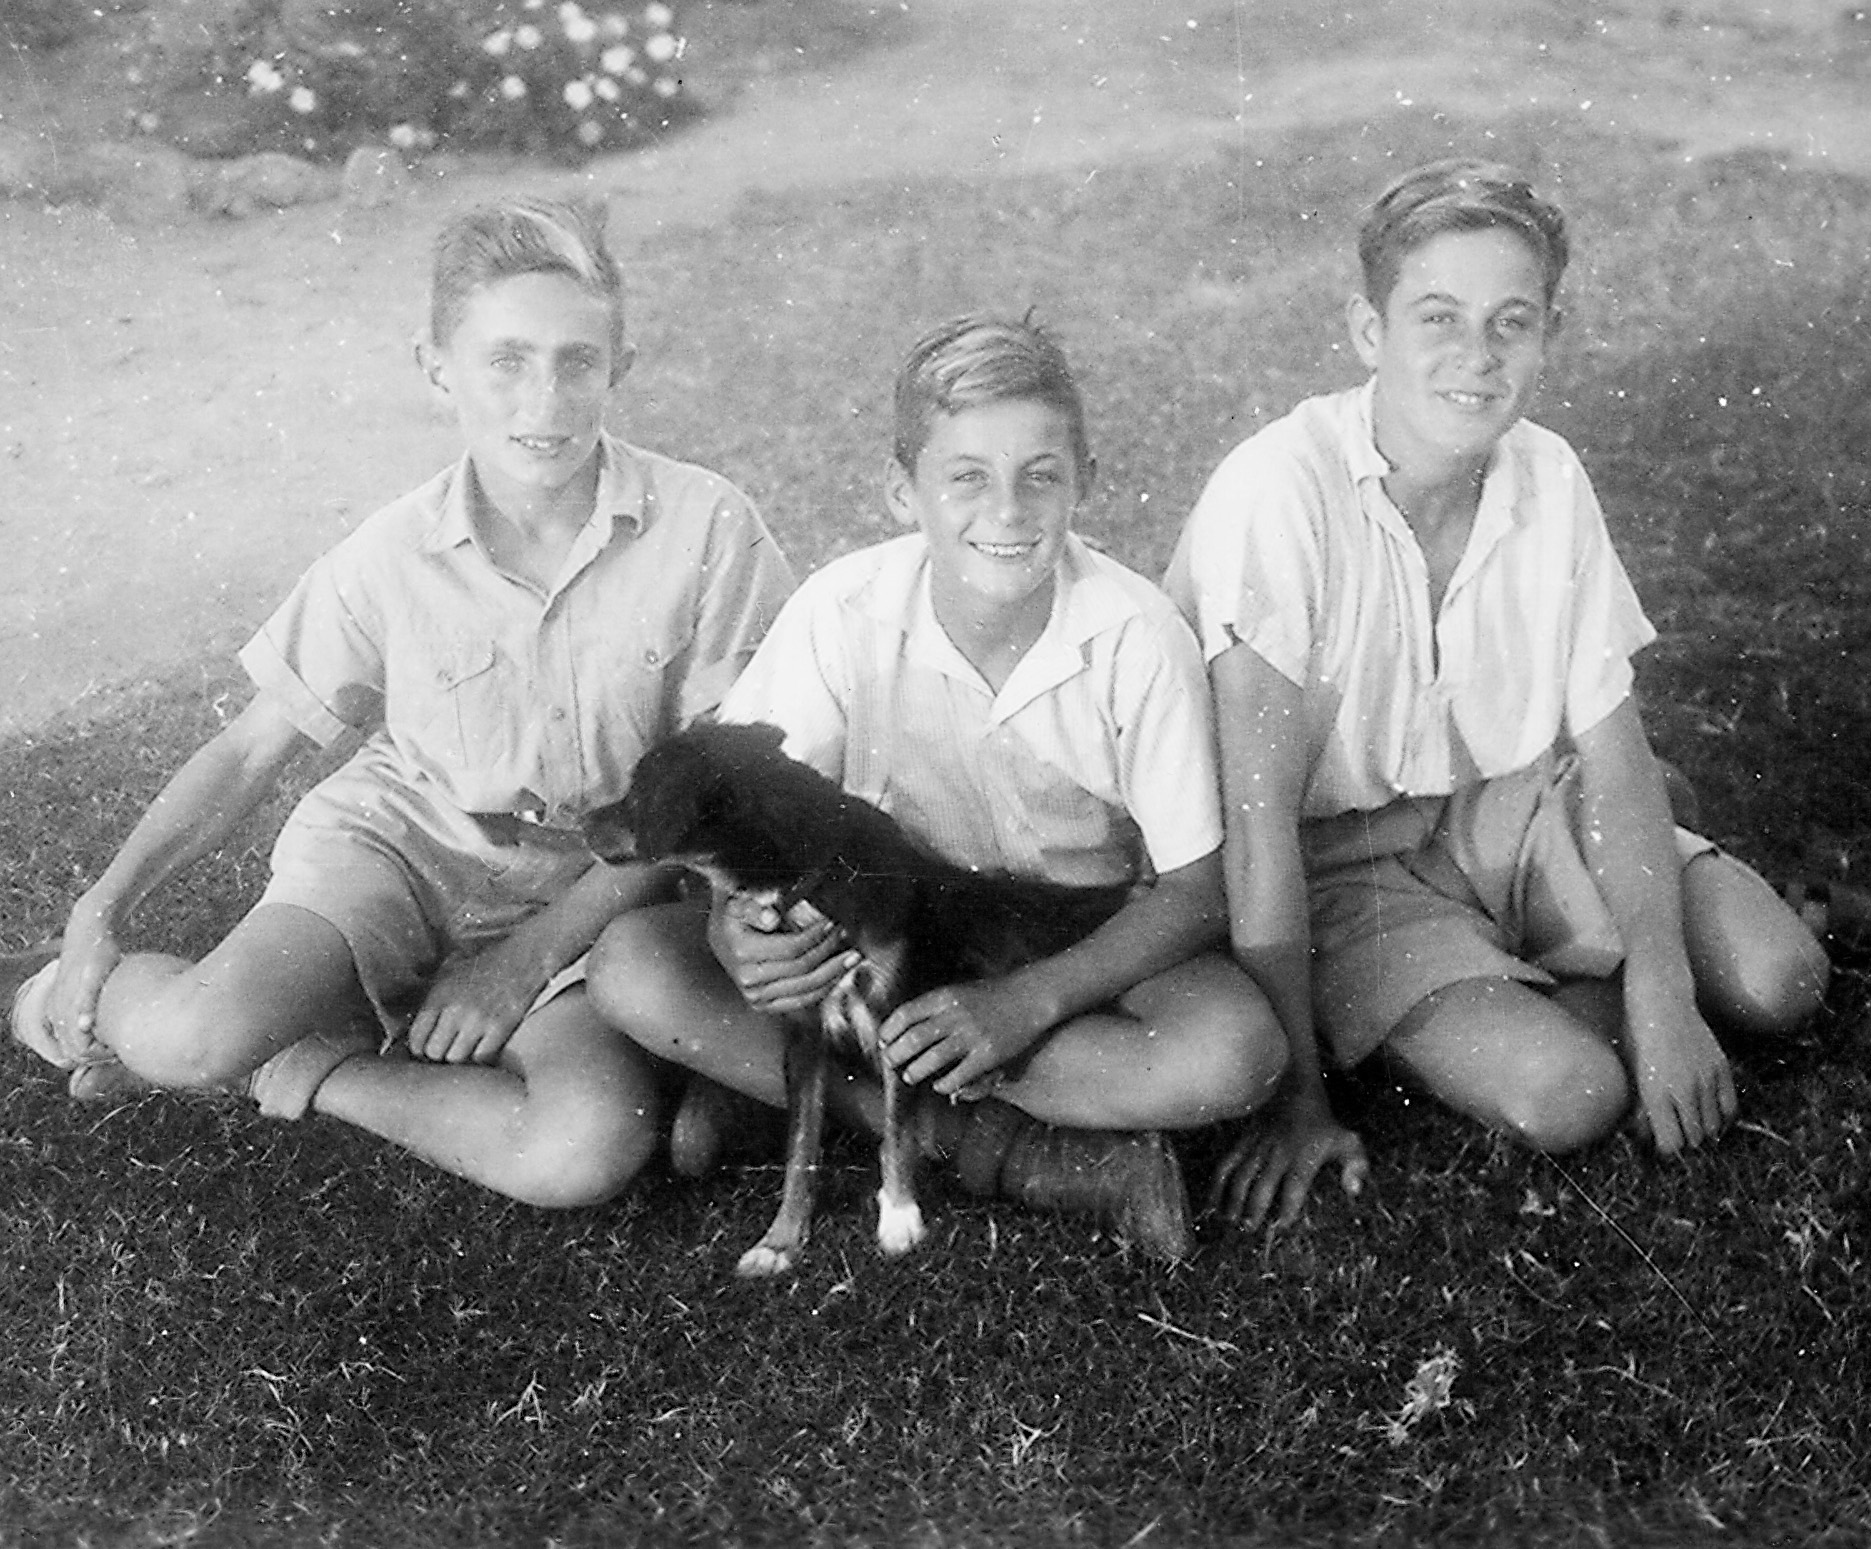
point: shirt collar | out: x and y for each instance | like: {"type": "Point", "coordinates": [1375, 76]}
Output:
{"type": "Point", "coordinates": [623, 493]}
{"type": "Point", "coordinates": [1501, 484]}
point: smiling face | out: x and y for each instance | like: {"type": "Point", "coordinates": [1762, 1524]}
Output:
{"type": "Point", "coordinates": [1457, 347]}
{"type": "Point", "coordinates": [528, 371]}
{"type": "Point", "coordinates": [993, 490]}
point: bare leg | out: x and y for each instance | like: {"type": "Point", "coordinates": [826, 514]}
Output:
{"type": "Point", "coordinates": [1757, 967]}
{"type": "Point", "coordinates": [1516, 1061]}
{"type": "Point", "coordinates": [566, 1118]}
{"type": "Point", "coordinates": [1193, 1045]}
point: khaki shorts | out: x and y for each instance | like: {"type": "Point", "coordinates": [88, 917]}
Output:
{"type": "Point", "coordinates": [409, 884]}
{"type": "Point", "coordinates": [1490, 883]}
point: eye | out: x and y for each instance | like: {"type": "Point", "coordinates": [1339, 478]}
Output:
{"type": "Point", "coordinates": [968, 478]}
{"type": "Point", "coordinates": [507, 362]}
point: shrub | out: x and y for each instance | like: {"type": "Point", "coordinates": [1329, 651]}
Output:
{"type": "Point", "coordinates": [42, 24]}
{"type": "Point", "coordinates": [318, 77]}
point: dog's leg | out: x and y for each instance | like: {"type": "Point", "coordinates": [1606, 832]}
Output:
{"type": "Point", "coordinates": [899, 1218]}
{"type": "Point", "coordinates": [806, 1061]}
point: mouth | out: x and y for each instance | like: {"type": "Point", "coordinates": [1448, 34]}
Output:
{"type": "Point", "coordinates": [1467, 401]}
{"type": "Point", "coordinates": [542, 446]}
{"type": "Point", "coordinates": [1005, 550]}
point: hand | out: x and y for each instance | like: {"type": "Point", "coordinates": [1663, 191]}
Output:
{"type": "Point", "coordinates": [1685, 1086]}
{"type": "Point", "coordinates": [1280, 1153]}
{"type": "Point", "coordinates": [780, 964]}
{"type": "Point", "coordinates": [90, 954]}
{"type": "Point", "coordinates": [957, 1037]}
{"type": "Point", "coordinates": [474, 1007]}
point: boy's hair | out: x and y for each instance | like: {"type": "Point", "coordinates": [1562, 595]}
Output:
{"type": "Point", "coordinates": [523, 235]}
{"type": "Point", "coordinates": [980, 359]}
{"type": "Point", "coordinates": [1456, 195]}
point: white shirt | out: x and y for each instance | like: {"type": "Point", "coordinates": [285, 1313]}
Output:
{"type": "Point", "coordinates": [1295, 550]}
{"type": "Point", "coordinates": [1095, 757]}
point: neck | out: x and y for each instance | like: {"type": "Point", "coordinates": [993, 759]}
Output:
{"type": "Point", "coordinates": [540, 514]}
{"type": "Point", "coordinates": [993, 637]}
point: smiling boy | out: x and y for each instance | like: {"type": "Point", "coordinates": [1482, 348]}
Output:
{"type": "Point", "coordinates": [1449, 842]}
{"type": "Point", "coordinates": [1022, 704]}
{"type": "Point", "coordinates": [503, 642]}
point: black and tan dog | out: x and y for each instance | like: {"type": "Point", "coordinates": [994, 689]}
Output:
{"type": "Point", "coordinates": [725, 801]}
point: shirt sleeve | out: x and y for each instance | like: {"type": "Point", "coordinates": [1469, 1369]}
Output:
{"type": "Point", "coordinates": [1609, 625]}
{"type": "Point", "coordinates": [1166, 745]}
{"type": "Point", "coordinates": [799, 680]}
{"type": "Point", "coordinates": [319, 656]}
{"type": "Point", "coordinates": [745, 581]}
{"type": "Point", "coordinates": [1246, 571]}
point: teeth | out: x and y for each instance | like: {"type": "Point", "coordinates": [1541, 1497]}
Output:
{"type": "Point", "coordinates": [1005, 550]}
{"type": "Point", "coordinates": [540, 443]}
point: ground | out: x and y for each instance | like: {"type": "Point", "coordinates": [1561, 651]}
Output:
{"type": "Point", "coordinates": [189, 413]}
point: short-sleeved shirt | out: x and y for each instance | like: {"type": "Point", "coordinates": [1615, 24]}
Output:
{"type": "Point", "coordinates": [488, 695]}
{"type": "Point", "coordinates": [1093, 764]}
{"type": "Point", "coordinates": [1295, 550]}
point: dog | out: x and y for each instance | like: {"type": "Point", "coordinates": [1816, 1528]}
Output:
{"type": "Point", "coordinates": [727, 802]}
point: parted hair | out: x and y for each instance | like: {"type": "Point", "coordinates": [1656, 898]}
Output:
{"type": "Point", "coordinates": [1456, 195]}
{"type": "Point", "coordinates": [523, 235]}
{"type": "Point", "coordinates": [981, 359]}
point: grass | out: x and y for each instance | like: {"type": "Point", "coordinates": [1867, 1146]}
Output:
{"type": "Point", "coordinates": [227, 1332]}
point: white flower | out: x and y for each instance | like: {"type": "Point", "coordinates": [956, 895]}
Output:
{"type": "Point", "coordinates": [303, 100]}
{"type": "Point", "coordinates": [577, 96]}
{"type": "Point", "coordinates": [614, 25]}
{"type": "Point", "coordinates": [617, 58]}
{"type": "Point", "coordinates": [658, 15]}
{"type": "Point", "coordinates": [263, 77]}
{"type": "Point", "coordinates": [577, 27]}
{"type": "Point", "coordinates": [665, 86]}
{"type": "Point", "coordinates": [606, 88]}
{"type": "Point", "coordinates": [512, 88]}
{"type": "Point", "coordinates": [637, 77]}
{"type": "Point", "coordinates": [497, 43]}
{"type": "Point", "coordinates": [459, 91]}
{"type": "Point", "coordinates": [590, 131]}
{"type": "Point", "coordinates": [527, 35]}
{"type": "Point", "coordinates": [662, 48]}
{"type": "Point", "coordinates": [403, 136]}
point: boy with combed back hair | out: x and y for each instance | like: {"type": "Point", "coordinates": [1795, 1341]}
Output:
{"type": "Point", "coordinates": [1449, 844]}
{"type": "Point", "coordinates": [506, 640]}
{"type": "Point", "coordinates": [1023, 704]}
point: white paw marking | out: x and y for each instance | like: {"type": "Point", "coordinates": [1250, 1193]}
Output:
{"type": "Point", "coordinates": [899, 1226]}
{"type": "Point", "coordinates": [763, 1263]}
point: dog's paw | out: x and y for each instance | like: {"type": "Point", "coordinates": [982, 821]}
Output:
{"type": "Point", "coordinates": [761, 1262]}
{"type": "Point", "coordinates": [899, 1226]}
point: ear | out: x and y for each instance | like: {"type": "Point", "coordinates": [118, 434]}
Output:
{"type": "Point", "coordinates": [899, 493]}
{"type": "Point", "coordinates": [622, 361]}
{"type": "Point", "coordinates": [1365, 324]}
{"type": "Point", "coordinates": [429, 362]}
{"type": "Point", "coordinates": [1555, 319]}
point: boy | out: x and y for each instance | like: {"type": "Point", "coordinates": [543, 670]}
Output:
{"type": "Point", "coordinates": [507, 639]}
{"type": "Point", "coordinates": [1020, 703]}
{"type": "Point", "coordinates": [1449, 841]}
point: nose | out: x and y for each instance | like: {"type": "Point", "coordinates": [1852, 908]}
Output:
{"type": "Point", "coordinates": [1482, 348]}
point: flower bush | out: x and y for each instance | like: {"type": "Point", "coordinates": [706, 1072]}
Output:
{"type": "Point", "coordinates": [318, 77]}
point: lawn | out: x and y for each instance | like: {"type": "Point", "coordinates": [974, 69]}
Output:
{"type": "Point", "coordinates": [227, 1332]}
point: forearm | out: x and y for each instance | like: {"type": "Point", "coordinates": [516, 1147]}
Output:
{"type": "Point", "coordinates": [566, 928]}
{"type": "Point", "coordinates": [193, 816]}
{"type": "Point", "coordinates": [1271, 940]}
{"type": "Point", "coordinates": [1180, 915]}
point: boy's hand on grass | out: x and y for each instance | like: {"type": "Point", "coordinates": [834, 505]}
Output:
{"type": "Point", "coordinates": [1278, 1155]}
{"type": "Point", "coordinates": [1685, 1085]}
{"type": "Point", "coordinates": [957, 1037]}
{"type": "Point", "coordinates": [780, 963]}
{"type": "Point", "coordinates": [474, 1007]}
{"type": "Point", "coordinates": [89, 956]}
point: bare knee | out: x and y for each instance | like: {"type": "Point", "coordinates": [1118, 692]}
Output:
{"type": "Point", "coordinates": [631, 976]}
{"type": "Point", "coordinates": [1566, 1100]}
{"type": "Point", "coordinates": [588, 1151]}
{"type": "Point", "coordinates": [1769, 989]}
{"type": "Point", "coordinates": [1758, 968]}
{"type": "Point", "coordinates": [183, 1037]}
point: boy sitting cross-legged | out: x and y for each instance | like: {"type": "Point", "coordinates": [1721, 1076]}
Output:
{"type": "Point", "coordinates": [1020, 703]}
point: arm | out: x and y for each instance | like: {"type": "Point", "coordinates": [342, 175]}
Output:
{"type": "Point", "coordinates": [194, 814]}
{"type": "Point", "coordinates": [1685, 1088]}
{"type": "Point", "coordinates": [477, 1003]}
{"type": "Point", "coordinates": [956, 1035]}
{"type": "Point", "coordinates": [1263, 777]}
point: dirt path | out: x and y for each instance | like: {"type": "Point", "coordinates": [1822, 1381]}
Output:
{"type": "Point", "coordinates": [189, 414]}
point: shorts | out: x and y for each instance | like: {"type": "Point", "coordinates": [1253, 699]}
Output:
{"type": "Point", "coordinates": [1490, 883]}
{"type": "Point", "coordinates": [409, 882]}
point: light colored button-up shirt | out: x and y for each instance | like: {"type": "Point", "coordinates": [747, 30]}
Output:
{"type": "Point", "coordinates": [495, 696]}
{"type": "Point", "coordinates": [1295, 550]}
{"type": "Point", "coordinates": [1093, 763]}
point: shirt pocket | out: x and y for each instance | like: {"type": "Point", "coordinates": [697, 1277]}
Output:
{"type": "Point", "coordinates": [641, 684]}
{"type": "Point", "coordinates": [461, 706]}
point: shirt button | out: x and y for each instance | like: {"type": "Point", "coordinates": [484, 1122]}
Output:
{"type": "Point", "coordinates": [652, 656]}
{"type": "Point", "coordinates": [558, 712]}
